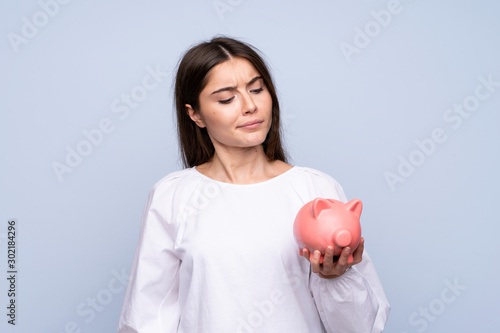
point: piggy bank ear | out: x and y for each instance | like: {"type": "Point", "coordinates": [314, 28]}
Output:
{"type": "Point", "coordinates": [318, 205]}
{"type": "Point", "coordinates": [355, 206]}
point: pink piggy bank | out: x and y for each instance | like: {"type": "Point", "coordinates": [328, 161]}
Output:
{"type": "Point", "coordinates": [323, 222]}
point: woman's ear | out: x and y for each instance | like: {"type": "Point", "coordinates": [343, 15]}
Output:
{"type": "Point", "coordinates": [195, 116]}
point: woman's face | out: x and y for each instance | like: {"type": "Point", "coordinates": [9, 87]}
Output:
{"type": "Point", "coordinates": [235, 106]}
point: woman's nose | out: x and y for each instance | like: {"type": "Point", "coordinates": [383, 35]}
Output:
{"type": "Point", "coordinates": [249, 106]}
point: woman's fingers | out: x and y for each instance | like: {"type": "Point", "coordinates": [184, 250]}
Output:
{"type": "Point", "coordinates": [306, 254]}
{"type": "Point", "coordinates": [342, 265]}
{"type": "Point", "coordinates": [332, 267]}
{"type": "Point", "coordinates": [358, 254]}
{"type": "Point", "coordinates": [328, 259]}
{"type": "Point", "coordinates": [314, 259]}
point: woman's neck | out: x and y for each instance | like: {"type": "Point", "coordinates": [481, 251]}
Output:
{"type": "Point", "coordinates": [246, 166]}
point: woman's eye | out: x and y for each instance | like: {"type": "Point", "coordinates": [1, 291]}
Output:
{"type": "Point", "coordinates": [226, 101]}
{"type": "Point", "coordinates": [258, 90]}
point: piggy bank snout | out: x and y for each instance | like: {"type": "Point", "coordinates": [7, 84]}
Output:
{"type": "Point", "coordinates": [342, 238]}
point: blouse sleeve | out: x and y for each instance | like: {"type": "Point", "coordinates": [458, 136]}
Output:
{"type": "Point", "coordinates": [354, 302]}
{"type": "Point", "coordinates": [151, 299]}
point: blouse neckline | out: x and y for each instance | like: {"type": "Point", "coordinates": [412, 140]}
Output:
{"type": "Point", "coordinates": [265, 182]}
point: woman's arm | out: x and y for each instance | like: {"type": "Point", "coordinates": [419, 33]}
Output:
{"type": "Point", "coordinates": [354, 302]}
{"type": "Point", "coordinates": [151, 300]}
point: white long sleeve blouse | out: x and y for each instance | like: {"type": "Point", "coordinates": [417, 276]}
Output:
{"type": "Point", "coordinates": [218, 257]}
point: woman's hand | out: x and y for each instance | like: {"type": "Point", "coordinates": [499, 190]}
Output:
{"type": "Point", "coordinates": [331, 268]}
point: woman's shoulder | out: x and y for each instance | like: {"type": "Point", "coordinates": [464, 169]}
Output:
{"type": "Point", "coordinates": [175, 188]}
{"type": "Point", "coordinates": [321, 182]}
{"type": "Point", "coordinates": [314, 173]}
{"type": "Point", "coordinates": [179, 174]}
{"type": "Point", "coordinates": [175, 178]}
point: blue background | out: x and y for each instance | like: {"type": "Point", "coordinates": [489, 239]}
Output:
{"type": "Point", "coordinates": [363, 86]}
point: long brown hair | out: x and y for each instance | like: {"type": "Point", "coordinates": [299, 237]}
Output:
{"type": "Point", "coordinates": [192, 77]}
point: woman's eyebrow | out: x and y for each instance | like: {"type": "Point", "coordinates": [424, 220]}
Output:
{"type": "Point", "coordinates": [232, 88]}
{"type": "Point", "coordinates": [254, 79]}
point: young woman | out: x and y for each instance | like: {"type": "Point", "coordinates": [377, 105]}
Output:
{"type": "Point", "coordinates": [216, 250]}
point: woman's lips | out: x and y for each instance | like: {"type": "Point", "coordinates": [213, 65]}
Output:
{"type": "Point", "coordinates": [251, 124]}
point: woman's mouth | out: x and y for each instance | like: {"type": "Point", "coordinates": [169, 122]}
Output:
{"type": "Point", "coordinates": [251, 124]}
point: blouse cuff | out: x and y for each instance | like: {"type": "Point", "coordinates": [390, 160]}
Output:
{"type": "Point", "coordinates": [345, 304]}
